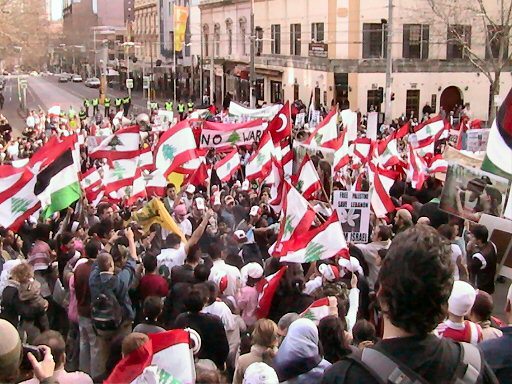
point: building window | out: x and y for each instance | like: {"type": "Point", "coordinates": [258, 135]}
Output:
{"type": "Point", "coordinates": [259, 89]}
{"type": "Point", "coordinates": [373, 100]}
{"type": "Point", "coordinates": [206, 37]}
{"type": "Point", "coordinates": [295, 39]}
{"type": "Point", "coordinates": [412, 103]}
{"type": "Point", "coordinates": [216, 35]}
{"type": "Point", "coordinates": [275, 30]}
{"type": "Point", "coordinates": [458, 37]}
{"type": "Point", "coordinates": [243, 29]}
{"type": "Point", "coordinates": [374, 40]}
{"type": "Point", "coordinates": [276, 91]}
{"type": "Point", "coordinates": [295, 90]}
{"type": "Point", "coordinates": [317, 32]}
{"type": "Point", "coordinates": [229, 29]}
{"type": "Point", "coordinates": [416, 38]}
{"type": "Point", "coordinates": [495, 37]}
{"type": "Point", "coordinates": [259, 41]}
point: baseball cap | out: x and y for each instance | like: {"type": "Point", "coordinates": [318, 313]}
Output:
{"type": "Point", "coordinates": [237, 184]}
{"type": "Point", "coordinates": [351, 265]}
{"type": "Point", "coordinates": [246, 185]}
{"type": "Point", "coordinates": [461, 299]}
{"type": "Point", "coordinates": [240, 235]}
{"type": "Point", "coordinates": [190, 189]}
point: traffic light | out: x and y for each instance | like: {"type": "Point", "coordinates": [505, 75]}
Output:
{"type": "Point", "coordinates": [380, 95]}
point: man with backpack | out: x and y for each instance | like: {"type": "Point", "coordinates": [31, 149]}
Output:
{"type": "Point", "coordinates": [415, 282]}
{"type": "Point", "coordinates": [112, 313]}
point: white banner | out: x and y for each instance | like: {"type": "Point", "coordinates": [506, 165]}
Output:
{"type": "Point", "coordinates": [353, 210]}
{"type": "Point", "coordinates": [224, 136]}
{"type": "Point", "coordinates": [371, 126]}
{"type": "Point", "coordinates": [349, 119]}
{"type": "Point", "coordinates": [266, 113]}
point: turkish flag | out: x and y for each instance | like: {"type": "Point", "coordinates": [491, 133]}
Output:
{"type": "Point", "coordinates": [281, 125]}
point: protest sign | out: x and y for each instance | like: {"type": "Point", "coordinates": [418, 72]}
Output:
{"type": "Point", "coordinates": [349, 119]}
{"type": "Point", "coordinates": [371, 125]}
{"type": "Point", "coordinates": [469, 193]}
{"type": "Point", "coordinates": [353, 210]}
{"type": "Point", "coordinates": [266, 113]}
{"type": "Point", "coordinates": [218, 135]}
{"type": "Point", "coordinates": [477, 139]}
{"type": "Point", "coordinates": [500, 233]}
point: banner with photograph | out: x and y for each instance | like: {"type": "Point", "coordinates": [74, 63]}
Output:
{"type": "Point", "coordinates": [180, 26]}
{"type": "Point", "coordinates": [353, 210]}
{"type": "Point", "coordinates": [477, 140]}
{"type": "Point", "coordinates": [469, 193]}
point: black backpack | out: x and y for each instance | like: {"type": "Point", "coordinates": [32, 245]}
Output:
{"type": "Point", "coordinates": [106, 313]}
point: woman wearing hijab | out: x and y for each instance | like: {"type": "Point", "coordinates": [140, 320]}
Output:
{"type": "Point", "coordinates": [298, 359]}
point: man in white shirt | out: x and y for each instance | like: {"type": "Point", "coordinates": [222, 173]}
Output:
{"type": "Point", "coordinates": [381, 239]}
{"type": "Point", "coordinates": [180, 216]}
{"type": "Point", "coordinates": [220, 268]}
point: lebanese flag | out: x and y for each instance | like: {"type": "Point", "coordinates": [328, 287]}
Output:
{"type": "Point", "coordinates": [308, 181]}
{"type": "Point", "coordinates": [157, 183]}
{"type": "Point", "coordinates": [417, 169]}
{"type": "Point", "coordinates": [176, 147]}
{"type": "Point", "coordinates": [258, 166]}
{"type": "Point", "coordinates": [191, 166]}
{"type": "Point", "coordinates": [429, 130]}
{"type": "Point", "coordinates": [19, 202]}
{"type": "Point", "coordinates": [165, 358]}
{"type": "Point", "coordinates": [132, 192]}
{"type": "Point", "coordinates": [341, 151]}
{"type": "Point", "coordinates": [228, 166]}
{"type": "Point", "coordinates": [119, 174]}
{"type": "Point", "coordinates": [276, 181]}
{"type": "Point", "coordinates": [146, 162]}
{"type": "Point", "coordinates": [297, 217]}
{"type": "Point", "coordinates": [438, 164]}
{"type": "Point", "coordinates": [92, 183]}
{"type": "Point", "coordinates": [403, 131]}
{"type": "Point", "coordinates": [326, 306]}
{"type": "Point", "coordinates": [287, 158]}
{"type": "Point", "coordinates": [323, 242]}
{"type": "Point", "coordinates": [280, 127]}
{"type": "Point", "coordinates": [387, 152]}
{"type": "Point", "coordinates": [266, 288]}
{"type": "Point", "coordinates": [10, 178]}
{"type": "Point", "coordinates": [200, 176]}
{"type": "Point", "coordinates": [381, 181]}
{"type": "Point", "coordinates": [362, 148]}
{"type": "Point", "coordinates": [122, 144]}
{"type": "Point", "coordinates": [326, 131]}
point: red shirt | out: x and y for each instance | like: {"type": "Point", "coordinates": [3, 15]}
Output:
{"type": "Point", "coordinates": [153, 285]}
{"type": "Point", "coordinates": [468, 331]}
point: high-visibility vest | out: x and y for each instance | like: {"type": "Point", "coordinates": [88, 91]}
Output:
{"type": "Point", "coordinates": [82, 115]}
{"type": "Point", "coordinates": [190, 107]}
{"type": "Point", "coordinates": [127, 100]}
{"type": "Point", "coordinates": [169, 106]}
{"type": "Point", "coordinates": [106, 102]}
{"type": "Point", "coordinates": [95, 102]}
{"type": "Point", "coordinates": [118, 101]}
{"type": "Point", "coordinates": [181, 107]}
{"type": "Point", "coordinates": [153, 105]}
{"type": "Point", "coordinates": [87, 103]}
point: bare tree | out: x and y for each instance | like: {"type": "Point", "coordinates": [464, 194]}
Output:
{"type": "Point", "coordinates": [495, 21]}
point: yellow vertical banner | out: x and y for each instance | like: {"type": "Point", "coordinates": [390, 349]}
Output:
{"type": "Point", "coordinates": [180, 26]}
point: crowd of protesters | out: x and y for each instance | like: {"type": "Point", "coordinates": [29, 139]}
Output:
{"type": "Point", "coordinates": [422, 285]}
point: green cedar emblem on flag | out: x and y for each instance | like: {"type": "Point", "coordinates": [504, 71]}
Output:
{"type": "Point", "coordinates": [300, 185]}
{"type": "Point", "coordinates": [19, 205]}
{"type": "Point", "coordinates": [234, 138]}
{"type": "Point", "coordinates": [169, 152]}
{"type": "Point", "coordinates": [115, 142]}
{"type": "Point", "coordinates": [314, 252]}
{"type": "Point", "coordinates": [118, 171]}
{"type": "Point", "coordinates": [318, 138]}
{"type": "Point", "coordinates": [260, 159]}
{"type": "Point", "coordinates": [309, 315]}
{"type": "Point", "coordinates": [288, 227]}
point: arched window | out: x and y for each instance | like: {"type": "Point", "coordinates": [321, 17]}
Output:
{"type": "Point", "coordinates": [229, 30]}
{"type": "Point", "coordinates": [206, 36]}
{"type": "Point", "coordinates": [216, 36]}
{"type": "Point", "coordinates": [243, 32]}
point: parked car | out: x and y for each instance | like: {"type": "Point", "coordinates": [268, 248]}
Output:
{"type": "Point", "coordinates": [92, 82]}
{"type": "Point", "coordinates": [63, 78]}
{"type": "Point", "coordinates": [76, 79]}
{"type": "Point", "coordinates": [34, 74]}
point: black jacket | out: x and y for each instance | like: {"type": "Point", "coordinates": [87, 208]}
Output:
{"type": "Point", "coordinates": [13, 309]}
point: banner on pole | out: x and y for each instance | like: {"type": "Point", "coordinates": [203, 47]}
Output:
{"type": "Point", "coordinates": [218, 135]}
{"type": "Point", "coordinates": [180, 27]}
{"type": "Point", "coordinates": [266, 113]}
{"type": "Point", "coordinates": [353, 210]}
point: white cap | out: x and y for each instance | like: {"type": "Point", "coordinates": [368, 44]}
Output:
{"type": "Point", "coordinates": [260, 373]}
{"type": "Point", "coordinates": [240, 235]}
{"type": "Point", "coordinates": [246, 185]}
{"type": "Point", "coordinates": [200, 203]}
{"type": "Point", "coordinates": [330, 272]}
{"type": "Point", "coordinates": [253, 270]}
{"type": "Point", "coordinates": [237, 184]}
{"type": "Point", "coordinates": [190, 189]}
{"type": "Point", "coordinates": [255, 211]}
{"type": "Point", "coordinates": [461, 299]}
{"type": "Point", "coordinates": [351, 265]}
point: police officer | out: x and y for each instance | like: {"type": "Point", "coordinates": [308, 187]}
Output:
{"type": "Point", "coordinates": [127, 101]}
{"type": "Point", "coordinates": [106, 104]}
{"type": "Point", "coordinates": [82, 116]}
{"type": "Point", "coordinates": [169, 106]}
{"type": "Point", "coordinates": [95, 105]}
{"type": "Point", "coordinates": [181, 110]}
{"type": "Point", "coordinates": [87, 105]}
{"type": "Point", "coordinates": [153, 106]}
{"type": "Point", "coordinates": [190, 106]}
{"type": "Point", "coordinates": [118, 102]}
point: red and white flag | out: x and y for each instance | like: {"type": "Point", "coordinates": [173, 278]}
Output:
{"type": "Point", "coordinates": [132, 192]}
{"type": "Point", "coordinates": [403, 131]}
{"type": "Point", "coordinates": [326, 131]}
{"type": "Point", "coordinates": [326, 306]}
{"type": "Point", "coordinates": [341, 151]}
{"type": "Point", "coordinates": [297, 217]}
{"type": "Point", "coordinates": [276, 181]}
{"type": "Point", "coordinates": [227, 167]}
{"type": "Point", "coordinates": [387, 152]}
{"type": "Point", "coordinates": [280, 127]}
{"type": "Point", "coordinates": [430, 130]}
{"type": "Point", "coordinates": [266, 288]}
{"type": "Point", "coordinates": [308, 181]}
{"type": "Point", "coordinates": [258, 166]}
{"type": "Point", "coordinates": [122, 144]}
{"type": "Point", "coordinates": [146, 162]}
{"type": "Point", "coordinates": [92, 183]}
{"type": "Point", "coordinates": [176, 147]}
{"type": "Point", "coordinates": [381, 182]}
{"type": "Point", "coordinates": [323, 242]}
{"type": "Point", "coordinates": [165, 358]}
{"type": "Point", "coordinates": [156, 184]}
{"type": "Point", "coordinates": [119, 174]}
{"type": "Point", "coordinates": [437, 164]}
{"type": "Point", "coordinates": [362, 149]}
{"type": "Point", "coordinates": [417, 169]}
{"type": "Point", "coordinates": [200, 176]}
{"type": "Point", "coordinates": [286, 158]}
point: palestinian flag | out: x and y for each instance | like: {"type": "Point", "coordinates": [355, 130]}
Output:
{"type": "Point", "coordinates": [297, 217]}
{"type": "Point", "coordinates": [321, 243]}
{"type": "Point", "coordinates": [326, 306]}
{"type": "Point", "coordinates": [165, 358]}
{"type": "Point", "coordinates": [498, 158]}
{"type": "Point", "coordinates": [308, 181]}
{"type": "Point", "coordinates": [381, 182]}
{"type": "Point", "coordinates": [18, 202]}
{"type": "Point", "coordinates": [227, 167]}
{"type": "Point", "coordinates": [280, 127]}
{"type": "Point", "coordinates": [266, 288]}
{"type": "Point", "coordinates": [58, 185]}
{"type": "Point", "coordinates": [326, 131]}
{"type": "Point", "coordinates": [121, 145]}
{"type": "Point", "coordinates": [176, 147]}
{"type": "Point", "coordinates": [258, 166]}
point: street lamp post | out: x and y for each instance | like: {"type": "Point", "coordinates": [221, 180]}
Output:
{"type": "Point", "coordinates": [127, 47]}
{"type": "Point", "coordinates": [252, 68]}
